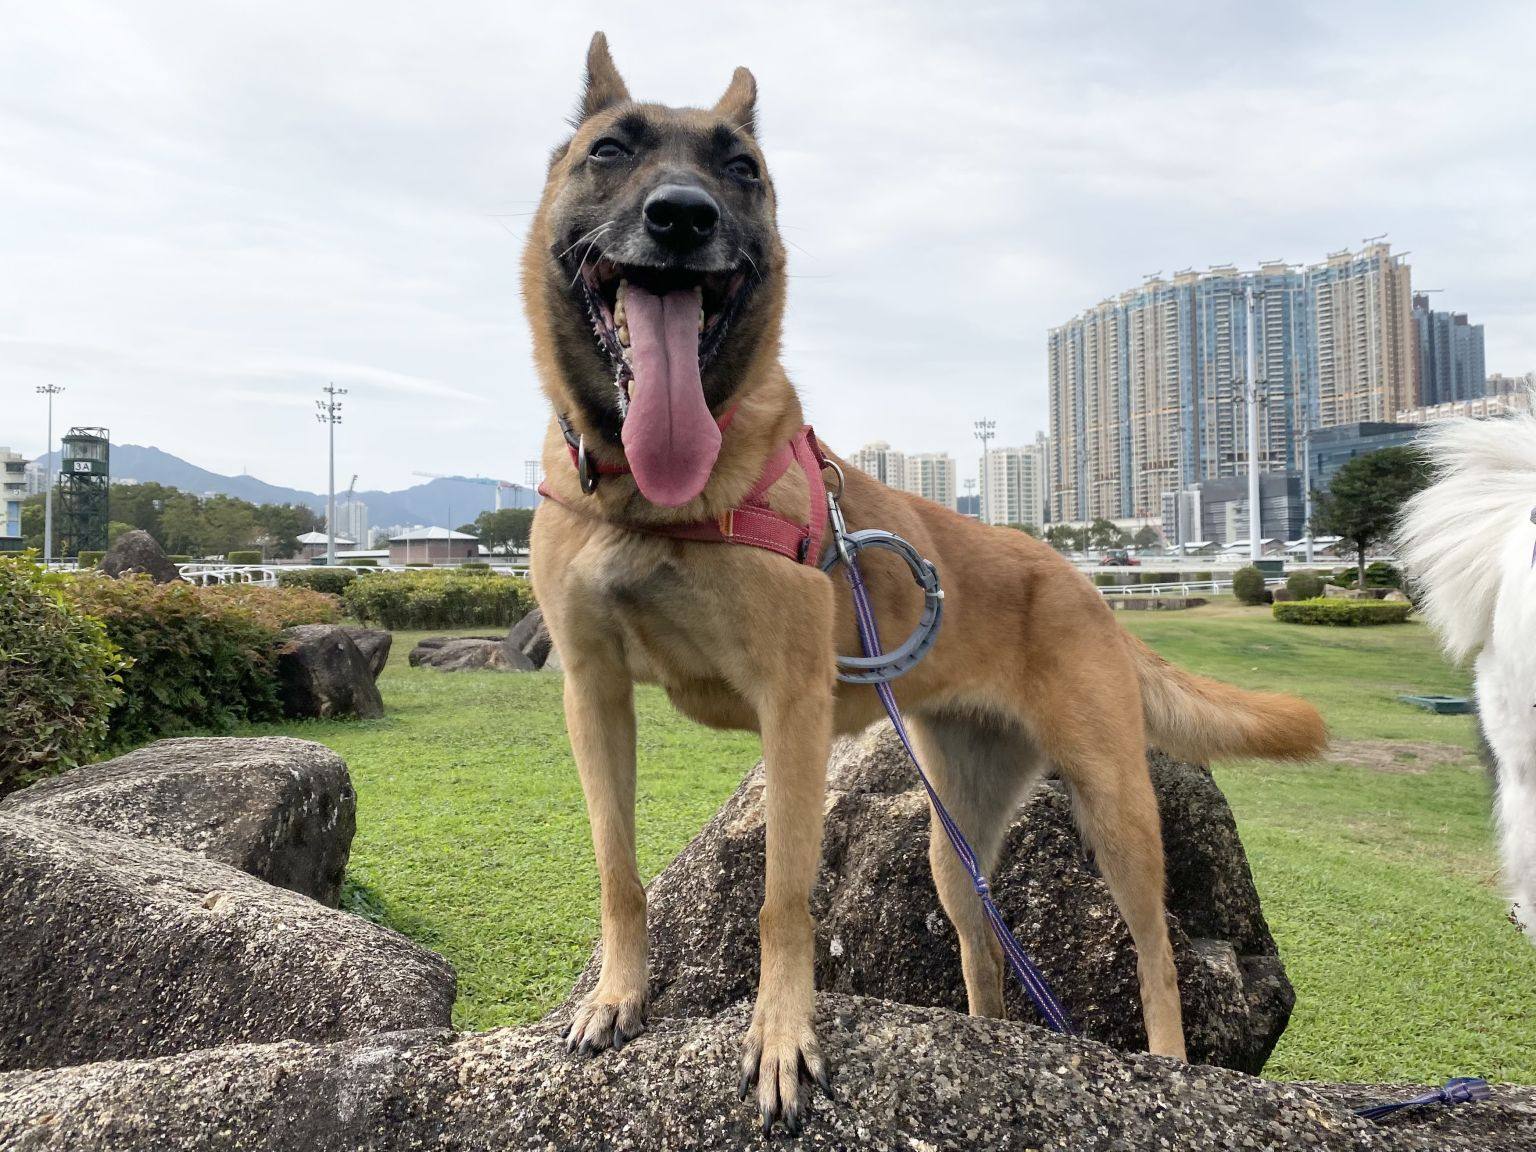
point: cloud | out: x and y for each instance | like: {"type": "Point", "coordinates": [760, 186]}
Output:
{"type": "Point", "coordinates": [207, 212]}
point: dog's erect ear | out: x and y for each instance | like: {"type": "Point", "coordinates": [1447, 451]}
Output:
{"type": "Point", "coordinates": [603, 86]}
{"type": "Point", "coordinates": [738, 107]}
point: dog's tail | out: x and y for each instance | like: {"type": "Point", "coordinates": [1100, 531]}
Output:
{"type": "Point", "coordinates": [1460, 537]}
{"type": "Point", "coordinates": [1192, 718]}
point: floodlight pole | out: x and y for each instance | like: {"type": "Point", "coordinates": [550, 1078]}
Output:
{"type": "Point", "coordinates": [1251, 393]}
{"type": "Point", "coordinates": [329, 414]}
{"type": "Point", "coordinates": [49, 390]}
{"type": "Point", "coordinates": [985, 431]}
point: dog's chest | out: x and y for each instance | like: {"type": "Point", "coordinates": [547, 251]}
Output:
{"type": "Point", "coordinates": [671, 616]}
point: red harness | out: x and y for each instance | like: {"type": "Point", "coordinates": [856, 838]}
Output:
{"type": "Point", "coordinates": [751, 522]}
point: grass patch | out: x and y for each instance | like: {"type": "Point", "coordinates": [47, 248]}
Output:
{"type": "Point", "coordinates": [1379, 884]}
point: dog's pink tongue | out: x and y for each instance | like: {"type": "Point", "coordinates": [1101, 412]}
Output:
{"type": "Point", "coordinates": [669, 436]}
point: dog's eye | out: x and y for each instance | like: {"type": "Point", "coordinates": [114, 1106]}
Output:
{"type": "Point", "coordinates": [608, 149]}
{"type": "Point", "coordinates": [742, 168]}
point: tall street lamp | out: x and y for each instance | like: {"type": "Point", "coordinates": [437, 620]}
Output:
{"type": "Point", "coordinates": [329, 414]}
{"type": "Point", "coordinates": [985, 431]}
{"type": "Point", "coordinates": [50, 391]}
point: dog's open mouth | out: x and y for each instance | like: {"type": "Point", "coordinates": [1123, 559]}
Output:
{"type": "Point", "coordinates": [661, 327]}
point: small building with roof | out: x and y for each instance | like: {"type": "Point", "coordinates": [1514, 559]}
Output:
{"type": "Point", "coordinates": [433, 546]}
{"type": "Point", "coordinates": [312, 545]}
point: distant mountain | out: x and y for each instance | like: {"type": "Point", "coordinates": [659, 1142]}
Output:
{"type": "Point", "coordinates": [447, 501]}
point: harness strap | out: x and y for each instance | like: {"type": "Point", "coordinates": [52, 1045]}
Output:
{"type": "Point", "coordinates": [751, 522]}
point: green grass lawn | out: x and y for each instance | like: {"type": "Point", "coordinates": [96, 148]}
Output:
{"type": "Point", "coordinates": [1378, 880]}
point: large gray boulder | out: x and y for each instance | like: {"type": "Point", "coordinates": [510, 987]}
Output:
{"type": "Point", "coordinates": [322, 674]}
{"type": "Point", "coordinates": [882, 932]}
{"type": "Point", "coordinates": [529, 637]}
{"type": "Point", "coordinates": [374, 644]}
{"type": "Point", "coordinates": [279, 809]}
{"type": "Point", "coordinates": [114, 947]}
{"type": "Point", "coordinates": [136, 553]}
{"type": "Point", "coordinates": [467, 654]}
{"type": "Point", "coordinates": [907, 1079]}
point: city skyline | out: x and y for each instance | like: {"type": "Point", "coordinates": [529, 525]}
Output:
{"type": "Point", "coordinates": [210, 212]}
{"type": "Point", "coordinates": [1147, 387]}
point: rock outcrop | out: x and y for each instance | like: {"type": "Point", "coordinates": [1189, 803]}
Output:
{"type": "Point", "coordinates": [882, 932]}
{"type": "Point", "coordinates": [374, 644]}
{"type": "Point", "coordinates": [116, 947]}
{"type": "Point", "coordinates": [468, 653]}
{"type": "Point", "coordinates": [530, 638]}
{"type": "Point", "coordinates": [278, 809]}
{"type": "Point", "coordinates": [137, 553]}
{"type": "Point", "coordinates": [322, 674]}
{"type": "Point", "coordinates": [906, 1079]}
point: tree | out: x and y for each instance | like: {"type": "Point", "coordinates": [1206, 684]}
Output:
{"type": "Point", "coordinates": [504, 530]}
{"type": "Point", "coordinates": [1146, 537]}
{"type": "Point", "coordinates": [1065, 538]}
{"type": "Point", "coordinates": [1367, 495]}
{"type": "Point", "coordinates": [280, 525]}
{"type": "Point", "coordinates": [1103, 533]}
{"type": "Point", "coordinates": [1027, 529]}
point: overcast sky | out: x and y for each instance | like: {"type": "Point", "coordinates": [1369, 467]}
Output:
{"type": "Point", "coordinates": [207, 210]}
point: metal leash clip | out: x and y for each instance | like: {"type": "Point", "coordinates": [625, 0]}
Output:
{"type": "Point", "coordinates": [846, 547]}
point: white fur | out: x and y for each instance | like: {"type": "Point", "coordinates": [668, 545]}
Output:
{"type": "Point", "coordinates": [1467, 544]}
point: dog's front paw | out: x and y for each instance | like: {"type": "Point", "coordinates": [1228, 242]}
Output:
{"type": "Point", "coordinates": [783, 1061]}
{"type": "Point", "coordinates": [606, 1021]}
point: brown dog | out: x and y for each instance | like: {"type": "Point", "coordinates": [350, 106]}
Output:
{"type": "Point", "coordinates": [656, 234]}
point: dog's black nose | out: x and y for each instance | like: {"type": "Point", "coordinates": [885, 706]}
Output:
{"type": "Point", "coordinates": [681, 216]}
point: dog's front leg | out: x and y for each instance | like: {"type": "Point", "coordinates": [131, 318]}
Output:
{"type": "Point", "coordinates": [600, 716]}
{"type": "Point", "coordinates": [795, 717]}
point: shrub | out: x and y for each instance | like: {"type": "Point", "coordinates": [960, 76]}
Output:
{"type": "Point", "coordinates": [360, 562]}
{"type": "Point", "coordinates": [278, 608]}
{"type": "Point", "coordinates": [1380, 574]}
{"type": "Point", "coordinates": [445, 598]}
{"type": "Point", "coordinates": [1304, 585]}
{"type": "Point", "coordinates": [330, 580]}
{"type": "Point", "coordinates": [1104, 580]}
{"type": "Point", "coordinates": [179, 559]}
{"type": "Point", "coordinates": [243, 556]}
{"type": "Point", "coordinates": [1248, 586]}
{"type": "Point", "coordinates": [59, 676]}
{"type": "Point", "coordinates": [201, 662]}
{"type": "Point", "coordinates": [1343, 613]}
{"type": "Point", "coordinates": [1282, 595]}
{"type": "Point", "coordinates": [89, 558]}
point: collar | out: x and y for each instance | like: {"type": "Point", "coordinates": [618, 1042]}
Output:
{"type": "Point", "coordinates": [751, 522]}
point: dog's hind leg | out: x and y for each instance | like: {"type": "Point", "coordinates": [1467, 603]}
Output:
{"type": "Point", "coordinates": [1098, 750]}
{"type": "Point", "coordinates": [981, 770]}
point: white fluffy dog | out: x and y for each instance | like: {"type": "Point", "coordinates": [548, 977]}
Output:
{"type": "Point", "coordinates": [1469, 544]}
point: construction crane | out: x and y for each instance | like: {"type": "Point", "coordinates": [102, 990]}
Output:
{"type": "Point", "coordinates": [499, 485]}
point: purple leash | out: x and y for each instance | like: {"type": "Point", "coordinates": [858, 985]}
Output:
{"type": "Point", "coordinates": [1461, 1090]}
{"type": "Point", "coordinates": [1029, 976]}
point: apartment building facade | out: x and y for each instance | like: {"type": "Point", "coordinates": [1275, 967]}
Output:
{"type": "Point", "coordinates": [1014, 484]}
{"type": "Point", "coordinates": [1147, 389]}
{"type": "Point", "coordinates": [930, 475]}
{"type": "Point", "coordinates": [13, 490]}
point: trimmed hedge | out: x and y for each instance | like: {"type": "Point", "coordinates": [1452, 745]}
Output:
{"type": "Point", "coordinates": [359, 561]}
{"type": "Point", "coordinates": [1343, 613]}
{"type": "Point", "coordinates": [1248, 586]}
{"type": "Point", "coordinates": [441, 598]}
{"type": "Point", "coordinates": [278, 608]}
{"type": "Point", "coordinates": [1304, 585]}
{"type": "Point", "coordinates": [243, 556]}
{"type": "Point", "coordinates": [333, 581]}
{"type": "Point", "coordinates": [60, 676]}
{"type": "Point", "coordinates": [201, 661]}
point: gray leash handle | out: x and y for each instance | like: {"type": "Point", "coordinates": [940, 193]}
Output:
{"type": "Point", "coordinates": [901, 660]}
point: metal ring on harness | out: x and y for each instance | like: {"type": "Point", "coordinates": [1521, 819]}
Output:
{"type": "Point", "coordinates": [878, 669]}
{"type": "Point", "coordinates": [586, 471]}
